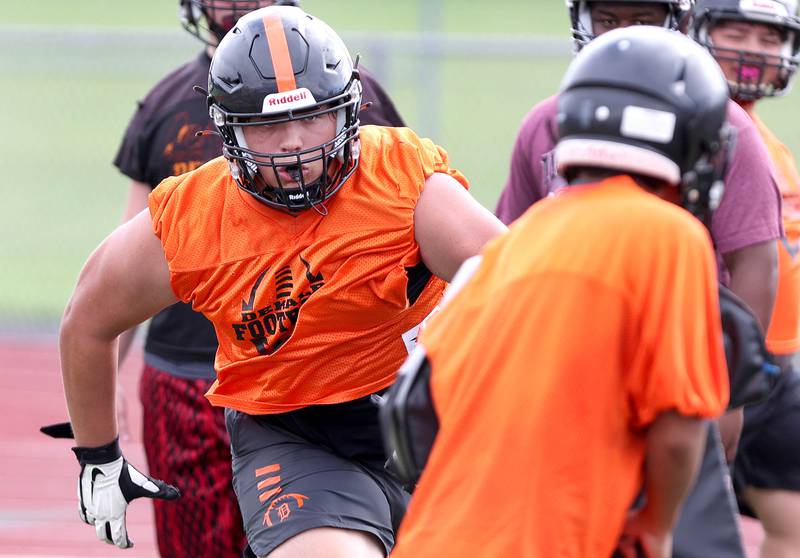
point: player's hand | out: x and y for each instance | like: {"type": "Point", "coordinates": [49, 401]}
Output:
{"type": "Point", "coordinates": [107, 484]}
{"type": "Point", "coordinates": [640, 540]}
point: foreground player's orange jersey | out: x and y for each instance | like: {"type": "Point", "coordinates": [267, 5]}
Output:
{"type": "Point", "coordinates": [596, 312]}
{"type": "Point", "coordinates": [308, 309]}
{"type": "Point", "coordinates": [783, 334]}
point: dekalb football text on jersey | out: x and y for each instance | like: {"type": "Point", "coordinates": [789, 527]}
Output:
{"type": "Point", "coordinates": [269, 327]}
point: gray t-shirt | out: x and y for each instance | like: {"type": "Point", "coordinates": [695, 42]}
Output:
{"type": "Point", "coordinates": [750, 210]}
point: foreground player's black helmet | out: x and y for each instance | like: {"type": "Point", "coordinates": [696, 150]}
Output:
{"type": "Point", "coordinates": [580, 14]}
{"type": "Point", "coordinates": [652, 102]}
{"type": "Point", "coordinates": [278, 65]}
{"type": "Point", "coordinates": [750, 83]}
{"type": "Point", "coordinates": [198, 16]}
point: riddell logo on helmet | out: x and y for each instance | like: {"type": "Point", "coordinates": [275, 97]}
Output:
{"type": "Point", "coordinates": [282, 100]}
{"type": "Point", "coordinates": [288, 100]}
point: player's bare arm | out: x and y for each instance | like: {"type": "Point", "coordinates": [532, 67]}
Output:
{"type": "Point", "coordinates": [135, 203]}
{"type": "Point", "coordinates": [136, 200]}
{"type": "Point", "coordinates": [754, 277]}
{"type": "Point", "coordinates": [450, 225]}
{"type": "Point", "coordinates": [125, 281]}
{"type": "Point", "coordinates": [675, 446]}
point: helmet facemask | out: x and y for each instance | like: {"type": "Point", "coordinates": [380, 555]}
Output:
{"type": "Point", "coordinates": [275, 72]}
{"type": "Point", "coordinates": [752, 68]}
{"type": "Point", "coordinates": [702, 186]}
{"type": "Point", "coordinates": [339, 155]}
{"type": "Point", "coordinates": [580, 12]}
{"type": "Point", "coordinates": [198, 16]}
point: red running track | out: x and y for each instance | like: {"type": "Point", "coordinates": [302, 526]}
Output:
{"type": "Point", "coordinates": [38, 502]}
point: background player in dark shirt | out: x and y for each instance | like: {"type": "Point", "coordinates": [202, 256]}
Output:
{"type": "Point", "coordinates": [758, 47]}
{"type": "Point", "coordinates": [184, 436]}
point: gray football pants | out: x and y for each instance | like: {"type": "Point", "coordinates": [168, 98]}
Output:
{"type": "Point", "coordinates": [708, 526]}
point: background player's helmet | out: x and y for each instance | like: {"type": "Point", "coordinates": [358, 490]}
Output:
{"type": "Point", "coordinates": [277, 65]}
{"type": "Point", "coordinates": [652, 102]}
{"type": "Point", "coordinates": [581, 17]}
{"type": "Point", "coordinates": [195, 15]}
{"type": "Point", "coordinates": [750, 84]}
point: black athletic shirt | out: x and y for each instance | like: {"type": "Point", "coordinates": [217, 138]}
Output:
{"type": "Point", "coordinates": [161, 141]}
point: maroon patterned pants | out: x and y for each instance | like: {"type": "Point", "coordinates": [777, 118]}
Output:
{"type": "Point", "coordinates": [187, 446]}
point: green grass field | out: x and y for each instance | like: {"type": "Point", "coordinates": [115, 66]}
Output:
{"type": "Point", "coordinates": [75, 70]}
{"type": "Point", "coordinates": [515, 17]}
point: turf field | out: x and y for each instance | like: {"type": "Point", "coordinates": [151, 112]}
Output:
{"type": "Point", "coordinates": [76, 69]}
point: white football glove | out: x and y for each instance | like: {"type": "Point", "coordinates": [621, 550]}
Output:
{"type": "Point", "coordinates": [107, 484]}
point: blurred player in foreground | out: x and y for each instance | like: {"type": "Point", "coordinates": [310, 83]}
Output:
{"type": "Point", "coordinates": [744, 229]}
{"type": "Point", "coordinates": [569, 372]}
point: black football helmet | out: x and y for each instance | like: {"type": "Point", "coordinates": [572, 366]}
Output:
{"type": "Point", "coordinates": [750, 84]}
{"type": "Point", "coordinates": [196, 15]}
{"type": "Point", "coordinates": [648, 101]}
{"type": "Point", "coordinates": [280, 64]}
{"type": "Point", "coordinates": [581, 16]}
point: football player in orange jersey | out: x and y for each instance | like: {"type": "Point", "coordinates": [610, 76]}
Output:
{"type": "Point", "coordinates": [316, 247]}
{"type": "Point", "coordinates": [183, 432]}
{"type": "Point", "coordinates": [757, 44]}
{"type": "Point", "coordinates": [568, 372]}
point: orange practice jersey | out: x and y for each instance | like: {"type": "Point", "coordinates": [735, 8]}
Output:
{"type": "Point", "coordinates": [595, 313]}
{"type": "Point", "coordinates": [783, 334]}
{"type": "Point", "coordinates": [308, 309]}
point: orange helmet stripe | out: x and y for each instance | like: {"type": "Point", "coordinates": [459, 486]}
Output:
{"type": "Point", "coordinates": [279, 51]}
